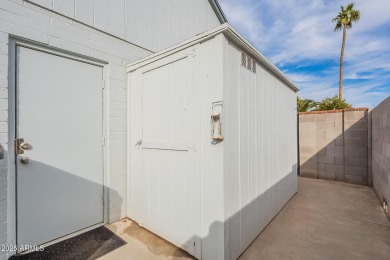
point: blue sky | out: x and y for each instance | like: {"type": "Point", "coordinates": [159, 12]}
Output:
{"type": "Point", "coordinates": [298, 36]}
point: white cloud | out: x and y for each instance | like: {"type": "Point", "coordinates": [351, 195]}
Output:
{"type": "Point", "coordinates": [292, 32]}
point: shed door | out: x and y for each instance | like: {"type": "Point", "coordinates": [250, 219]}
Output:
{"type": "Point", "coordinates": [165, 147]}
{"type": "Point", "coordinates": [59, 113]}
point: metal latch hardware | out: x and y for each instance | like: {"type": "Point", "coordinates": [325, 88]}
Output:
{"type": "Point", "coordinates": [18, 149]}
{"type": "Point", "coordinates": [138, 144]}
{"type": "Point", "coordinates": [2, 152]}
{"type": "Point", "coordinates": [21, 146]}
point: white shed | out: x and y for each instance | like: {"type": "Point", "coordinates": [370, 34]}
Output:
{"type": "Point", "coordinates": [63, 107]}
{"type": "Point", "coordinates": [212, 143]}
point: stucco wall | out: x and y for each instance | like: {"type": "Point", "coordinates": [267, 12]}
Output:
{"type": "Point", "coordinates": [334, 145]}
{"type": "Point", "coordinates": [381, 150]}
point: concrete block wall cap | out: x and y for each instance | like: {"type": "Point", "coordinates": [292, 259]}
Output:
{"type": "Point", "coordinates": [333, 111]}
{"type": "Point", "coordinates": [356, 109]}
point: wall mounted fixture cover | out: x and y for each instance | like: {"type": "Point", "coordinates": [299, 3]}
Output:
{"type": "Point", "coordinates": [216, 121]}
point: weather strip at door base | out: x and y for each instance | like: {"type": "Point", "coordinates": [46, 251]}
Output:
{"type": "Point", "coordinates": [90, 245]}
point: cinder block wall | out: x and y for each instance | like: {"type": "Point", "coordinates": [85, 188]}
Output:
{"type": "Point", "coordinates": [334, 145]}
{"type": "Point", "coordinates": [381, 150]}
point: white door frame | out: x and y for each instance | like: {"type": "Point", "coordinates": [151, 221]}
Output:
{"type": "Point", "coordinates": [15, 42]}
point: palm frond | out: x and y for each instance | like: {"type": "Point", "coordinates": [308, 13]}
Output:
{"type": "Point", "coordinates": [346, 17]}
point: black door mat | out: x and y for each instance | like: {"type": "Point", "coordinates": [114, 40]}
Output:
{"type": "Point", "coordinates": [89, 245]}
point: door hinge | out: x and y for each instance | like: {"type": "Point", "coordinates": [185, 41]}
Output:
{"type": "Point", "coordinates": [103, 141]}
{"type": "Point", "coordinates": [104, 84]}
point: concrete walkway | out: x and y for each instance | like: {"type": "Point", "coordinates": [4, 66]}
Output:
{"type": "Point", "coordinates": [324, 220]}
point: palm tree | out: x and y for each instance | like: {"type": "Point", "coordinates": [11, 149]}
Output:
{"type": "Point", "coordinates": [344, 21]}
{"type": "Point", "coordinates": [304, 105]}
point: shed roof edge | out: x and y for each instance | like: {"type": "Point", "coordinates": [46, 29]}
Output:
{"type": "Point", "coordinates": [231, 33]}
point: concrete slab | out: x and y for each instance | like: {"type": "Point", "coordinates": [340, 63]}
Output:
{"type": "Point", "coordinates": [142, 244]}
{"type": "Point", "coordinates": [326, 220]}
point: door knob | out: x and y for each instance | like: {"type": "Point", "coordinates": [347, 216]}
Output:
{"type": "Point", "coordinates": [24, 160]}
{"type": "Point", "coordinates": [25, 146]}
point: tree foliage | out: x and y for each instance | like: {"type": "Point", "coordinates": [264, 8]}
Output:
{"type": "Point", "coordinates": [346, 17]}
{"type": "Point", "coordinates": [332, 104]}
{"type": "Point", "coordinates": [304, 105]}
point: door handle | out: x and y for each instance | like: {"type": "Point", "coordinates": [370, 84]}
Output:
{"type": "Point", "coordinates": [138, 144]}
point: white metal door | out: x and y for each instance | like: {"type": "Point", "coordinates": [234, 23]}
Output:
{"type": "Point", "coordinates": [59, 113]}
{"type": "Point", "coordinates": [165, 149]}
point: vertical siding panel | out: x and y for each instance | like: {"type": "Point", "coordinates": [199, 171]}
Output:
{"type": "Point", "coordinates": [244, 160]}
{"type": "Point", "coordinates": [212, 207]}
{"type": "Point", "coordinates": [252, 156]}
{"type": "Point", "coordinates": [272, 143]}
{"type": "Point", "coordinates": [232, 190]}
{"type": "Point", "coordinates": [154, 27]}
{"type": "Point", "coordinates": [144, 24]}
{"type": "Point", "coordinates": [260, 121]}
{"type": "Point", "coordinates": [259, 149]}
{"type": "Point", "coordinates": [102, 15]}
{"type": "Point", "coordinates": [209, 17]}
{"type": "Point", "coordinates": [295, 143]}
{"type": "Point", "coordinates": [265, 147]}
{"type": "Point", "coordinates": [131, 20]}
{"type": "Point", "coordinates": [275, 144]}
{"type": "Point", "coordinates": [192, 18]}
{"type": "Point", "coordinates": [279, 154]}
{"type": "Point", "coordinates": [175, 15]}
{"type": "Point", "coordinates": [117, 18]}
{"type": "Point", "coordinates": [268, 180]}
{"type": "Point", "coordinates": [65, 7]}
{"type": "Point", "coordinates": [226, 165]}
{"type": "Point", "coordinates": [273, 135]}
{"type": "Point", "coordinates": [282, 166]}
{"type": "Point", "coordinates": [200, 15]}
{"type": "Point", "coordinates": [84, 11]}
{"type": "Point", "coordinates": [164, 24]}
{"type": "Point", "coordinates": [45, 3]}
{"type": "Point", "coordinates": [288, 140]}
{"type": "Point", "coordinates": [184, 26]}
